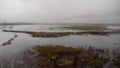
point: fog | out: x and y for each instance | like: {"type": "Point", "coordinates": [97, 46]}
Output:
{"type": "Point", "coordinates": [56, 11]}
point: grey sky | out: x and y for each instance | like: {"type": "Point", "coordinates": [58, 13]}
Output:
{"type": "Point", "coordinates": [39, 11]}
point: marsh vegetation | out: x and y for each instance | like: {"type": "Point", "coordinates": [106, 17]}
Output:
{"type": "Point", "coordinates": [50, 56]}
{"type": "Point", "coordinates": [68, 57]}
{"type": "Point", "coordinates": [64, 46]}
{"type": "Point", "coordinates": [86, 27]}
{"type": "Point", "coordinates": [61, 34]}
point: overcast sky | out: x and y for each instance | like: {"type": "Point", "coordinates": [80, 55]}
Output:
{"type": "Point", "coordinates": [80, 11]}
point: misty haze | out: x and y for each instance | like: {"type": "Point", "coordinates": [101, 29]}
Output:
{"type": "Point", "coordinates": [59, 34]}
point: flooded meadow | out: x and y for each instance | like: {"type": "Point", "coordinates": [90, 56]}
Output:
{"type": "Point", "coordinates": [59, 46]}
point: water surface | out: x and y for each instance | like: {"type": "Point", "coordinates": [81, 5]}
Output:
{"type": "Point", "coordinates": [24, 41]}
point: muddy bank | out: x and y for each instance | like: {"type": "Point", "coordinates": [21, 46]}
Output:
{"type": "Point", "coordinates": [61, 34]}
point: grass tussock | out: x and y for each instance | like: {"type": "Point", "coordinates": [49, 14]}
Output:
{"type": "Point", "coordinates": [49, 51]}
{"type": "Point", "coordinates": [68, 57]}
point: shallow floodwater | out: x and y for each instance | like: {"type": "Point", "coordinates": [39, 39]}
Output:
{"type": "Point", "coordinates": [113, 27]}
{"type": "Point", "coordinates": [5, 37]}
{"type": "Point", "coordinates": [25, 41]}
